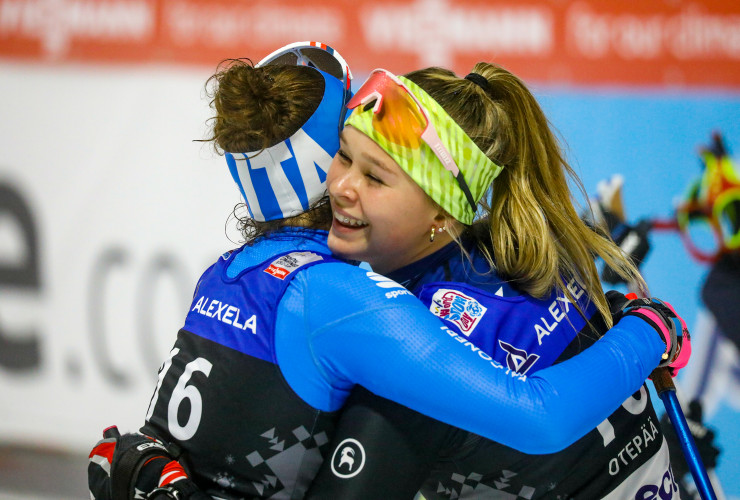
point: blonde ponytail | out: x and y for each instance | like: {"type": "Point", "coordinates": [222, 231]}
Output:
{"type": "Point", "coordinates": [535, 236]}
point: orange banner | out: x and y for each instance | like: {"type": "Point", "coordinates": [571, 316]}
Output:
{"type": "Point", "coordinates": [677, 43]}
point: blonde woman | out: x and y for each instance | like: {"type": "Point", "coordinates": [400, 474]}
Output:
{"type": "Point", "coordinates": [457, 188]}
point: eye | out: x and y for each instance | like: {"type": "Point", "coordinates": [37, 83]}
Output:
{"type": "Point", "coordinates": [343, 157]}
{"type": "Point", "coordinates": [373, 179]}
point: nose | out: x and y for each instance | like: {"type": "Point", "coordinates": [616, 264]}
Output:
{"type": "Point", "coordinates": [341, 182]}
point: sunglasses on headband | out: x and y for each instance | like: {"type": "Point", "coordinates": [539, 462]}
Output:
{"type": "Point", "coordinates": [400, 118]}
{"type": "Point", "coordinates": [315, 55]}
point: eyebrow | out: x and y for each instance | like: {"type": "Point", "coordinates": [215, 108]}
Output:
{"type": "Point", "coordinates": [368, 158]}
{"type": "Point", "coordinates": [377, 162]}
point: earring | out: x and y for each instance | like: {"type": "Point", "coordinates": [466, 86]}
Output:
{"type": "Point", "coordinates": [431, 236]}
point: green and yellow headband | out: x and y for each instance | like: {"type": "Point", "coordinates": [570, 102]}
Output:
{"type": "Point", "coordinates": [425, 141]}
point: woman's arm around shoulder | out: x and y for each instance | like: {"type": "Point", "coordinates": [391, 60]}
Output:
{"type": "Point", "coordinates": [371, 331]}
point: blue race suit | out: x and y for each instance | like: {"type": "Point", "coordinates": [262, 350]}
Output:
{"type": "Point", "coordinates": [279, 333]}
{"type": "Point", "coordinates": [396, 451]}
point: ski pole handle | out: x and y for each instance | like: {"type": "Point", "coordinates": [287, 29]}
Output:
{"type": "Point", "coordinates": [662, 380]}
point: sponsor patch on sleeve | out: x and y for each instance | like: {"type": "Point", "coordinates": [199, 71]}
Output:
{"type": "Point", "coordinates": [458, 308]}
{"type": "Point", "coordinates": [283, 266]}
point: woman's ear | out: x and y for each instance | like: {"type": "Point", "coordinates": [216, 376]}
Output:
{"type": "Point", "coordinates": [445, 223]}
{"type": "Point", "coordinates": [441, 219]}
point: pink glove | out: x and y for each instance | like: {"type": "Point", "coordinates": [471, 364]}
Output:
{"type": "Point", "coordinates": [663, 318]}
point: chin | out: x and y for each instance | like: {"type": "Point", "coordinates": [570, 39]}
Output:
{"type": "Point", "coordinates": [344, 249]}
{"type": "Point", "coordinates": [336, 244]}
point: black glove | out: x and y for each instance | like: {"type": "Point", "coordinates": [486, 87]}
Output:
{"type": "Point", "coordinates": [124, 466]}
{"type": "Point", "coordinates": [617, 302]}
{"type": "Point", "coordinates": [703, 436]}
{"type": "Point", "coordinates": [184, 489]}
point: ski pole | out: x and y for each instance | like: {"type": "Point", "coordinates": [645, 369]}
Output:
{"type": "Point", "coordinates": [667, 392]}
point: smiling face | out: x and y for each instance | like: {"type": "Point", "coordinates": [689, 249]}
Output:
{"type": "Point", "coordinates": [381, 216]}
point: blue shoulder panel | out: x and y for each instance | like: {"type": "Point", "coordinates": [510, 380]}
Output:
{"type": "Point", "coordinates": [239, 312]}
{"type": "Point", "coordinates": [521, 332]}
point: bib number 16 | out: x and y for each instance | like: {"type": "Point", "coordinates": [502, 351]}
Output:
{"type": "Point", "coordinates": [182, 391]}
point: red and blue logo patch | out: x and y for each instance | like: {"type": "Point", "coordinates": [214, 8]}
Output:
{"type": "Point", "coordinates": [457, 308]}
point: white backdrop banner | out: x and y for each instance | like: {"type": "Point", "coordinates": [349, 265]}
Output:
{"type": "Point", "coordinates": [109, 211]}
